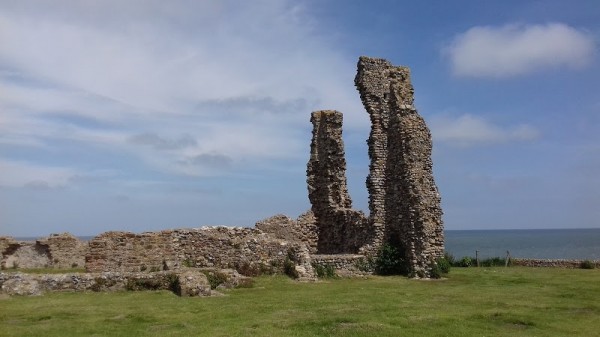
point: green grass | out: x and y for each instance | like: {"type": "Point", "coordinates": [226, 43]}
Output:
{"type": "Point", "coordinates": [472, 302]}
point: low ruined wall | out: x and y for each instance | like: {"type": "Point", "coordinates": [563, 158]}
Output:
{"type": "Point", "coordinates": [303, 229]}
{"type": "Point", "coordinates": [245, 249]}
{"type": "Point", "coordinates": [345, 265]}
{"type": "Point", "coordinates": [56, 251]}
{"type": "Point", "coordinates": [550, 263]}
{"type": "Point", "coordinates": [66, 250]}
{"type": "Point", "coordinates": [183, 283]}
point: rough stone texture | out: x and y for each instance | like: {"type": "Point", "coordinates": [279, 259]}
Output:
{"type": "Point", "coordinates": [557, 263]}
{"type": "Point", "coordinates": [243, 249]}
{"type": "Point", "coordinates": [283, 227]}
{"type": "Point", "coordinates": [344, 265]}
{"type": "Point", "coordinates": [26, 254]}
{"type": "Point", "coordinates": [404, 202]}
{"type": "Point", "coordinates": [187, 282]}
{"type": "Point", "coordinates": [66, 250]}
{"type": "Point", "coordinates": [340, 228]}
{"type": "Point", "coordinates": [56, 251]}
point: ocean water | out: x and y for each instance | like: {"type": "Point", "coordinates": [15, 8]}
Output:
{"type": "Point", "coordinates": [526, 243]}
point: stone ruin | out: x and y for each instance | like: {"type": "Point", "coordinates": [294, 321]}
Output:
{"type": "Point", "coordinates": [404, 206]}
{"type": "Point", "coordinates": [341, 229]}
{"type": "Point", "coordinates": [55, 251]}
{"type": "Point", "coordinates": [404, 202]}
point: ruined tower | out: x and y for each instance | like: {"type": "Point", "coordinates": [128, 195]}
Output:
{"type": "Point", "coordinates": [404, 202]}
{"type": "Point", "coordinates": [340, 227]}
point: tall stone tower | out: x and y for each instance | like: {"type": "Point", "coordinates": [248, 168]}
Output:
{"type": "Point", "coordinates": [404, 202]}
{"type": "Point", "coordinates": [340, 227]}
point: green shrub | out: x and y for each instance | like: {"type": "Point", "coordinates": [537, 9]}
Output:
{"type": "Point", "coordinates": [435, 272]}
{"type": "Point", "coordinates": [466, 261]}
{"type": "Point", "coordinates": [143, 284]}
{"type": "Point", "coordinates": [365, 264]}
{"type": "Point", "coordinates": [390, 261]}
{"type": "Point", "coordinates": [444, 265]}
{"type": "Point", "coordinates": [450, 258]}
{"type": "Point", "coordinates": [289, 268]}
{"type": "Point", "coordinates": [215, 279]}
{"type": "Point", "coordinates": [493, 262]}
{"type": "Point", "coordinates": [326, 271]}
{"type": "Point", "coordinates": [587, 264]}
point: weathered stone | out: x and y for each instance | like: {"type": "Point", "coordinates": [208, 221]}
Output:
{"type": "Point", "coordinates": [404, 202]}
{"type": "Point", "coordinates": [340, 228]}
{"type": "Point", "coordinates": [56, 251]}
{"type": "Point", "coordinates": [192, 282]}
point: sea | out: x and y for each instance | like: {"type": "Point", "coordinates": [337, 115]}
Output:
{"type": "Point", "coordinates": [579, 244]}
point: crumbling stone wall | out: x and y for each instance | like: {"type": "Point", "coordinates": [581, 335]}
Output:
{"type": "Point", "coordinates": [340, 228]}
{"type": "Point", "coordinates": [56, 251]}
{"type": "Point", "coordinates": [248, 250]}
{"type": "Point", "coordinates": [282, 227]}
{"type": "Point", "coordinates": [404, 202]}
{"type": "Point", "coordinates": [66, 250]}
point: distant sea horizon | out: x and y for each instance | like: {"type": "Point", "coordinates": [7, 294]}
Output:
{"type": "Point", "coordinates": [570, 244]}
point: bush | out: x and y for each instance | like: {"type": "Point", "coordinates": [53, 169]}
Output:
{"type": "Point", "coordinates": [465, 262]}
{"type": "Point", "coordinates": [444, 265]}
{"type": "Point", "coordinates": [215, 279]}
{"type": "Point", "coordinates": [440, 268]}
{"type": "Point", "coordinates": [326, 271]}
{"type": "Point", "coordinates": [587, 264]}
{"type": "Point", "coordinates": [289, 268]}
{"type": "Point", "coordinates": [390, 261]}
{"type": "Point", "coordinates": [143, 284]}
{"type": "Point", "coordinates": [365, 264]}
{"type": "Point", "coordinates": [449, 258]}
{"type": "Point", "coordinates": [493, 262]}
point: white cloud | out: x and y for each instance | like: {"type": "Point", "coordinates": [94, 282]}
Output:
{"type": "Point", "coordinates": [23, 174]}
{"type": "Point", "coordinates": [515, 49]}
{"type": "Point", "coordinates": [470, 130]}
{"type": "Point", "coordinates": [204, 83]}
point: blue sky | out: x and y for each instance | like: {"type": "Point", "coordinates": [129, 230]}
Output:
{"type": "Point", "coordinates": [147, 115]}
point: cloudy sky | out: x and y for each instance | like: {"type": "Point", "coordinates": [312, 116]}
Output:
{"type": "Point", "coordinates": [145, 115]}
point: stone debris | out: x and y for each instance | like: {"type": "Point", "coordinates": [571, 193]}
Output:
{"type": "Point", "coordinates": [186, 282]}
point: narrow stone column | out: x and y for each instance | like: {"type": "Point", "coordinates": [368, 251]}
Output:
{"type": "Point", "coordinates": [373, 81]}
{"type": "Point", "coordinates": [340, 228]}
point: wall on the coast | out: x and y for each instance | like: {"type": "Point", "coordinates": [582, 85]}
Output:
{"type": "Point", "coordinates": [557, 263]}
{"type": "Point", "coordinates": [248, 250]}
{"type": "Point", "coordinates": [55, 251]}
{"type": "Point", "coordinates": [344, 265]}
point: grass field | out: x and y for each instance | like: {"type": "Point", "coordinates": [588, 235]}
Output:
{"type": "Point", "coordinates": [471, 302]}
